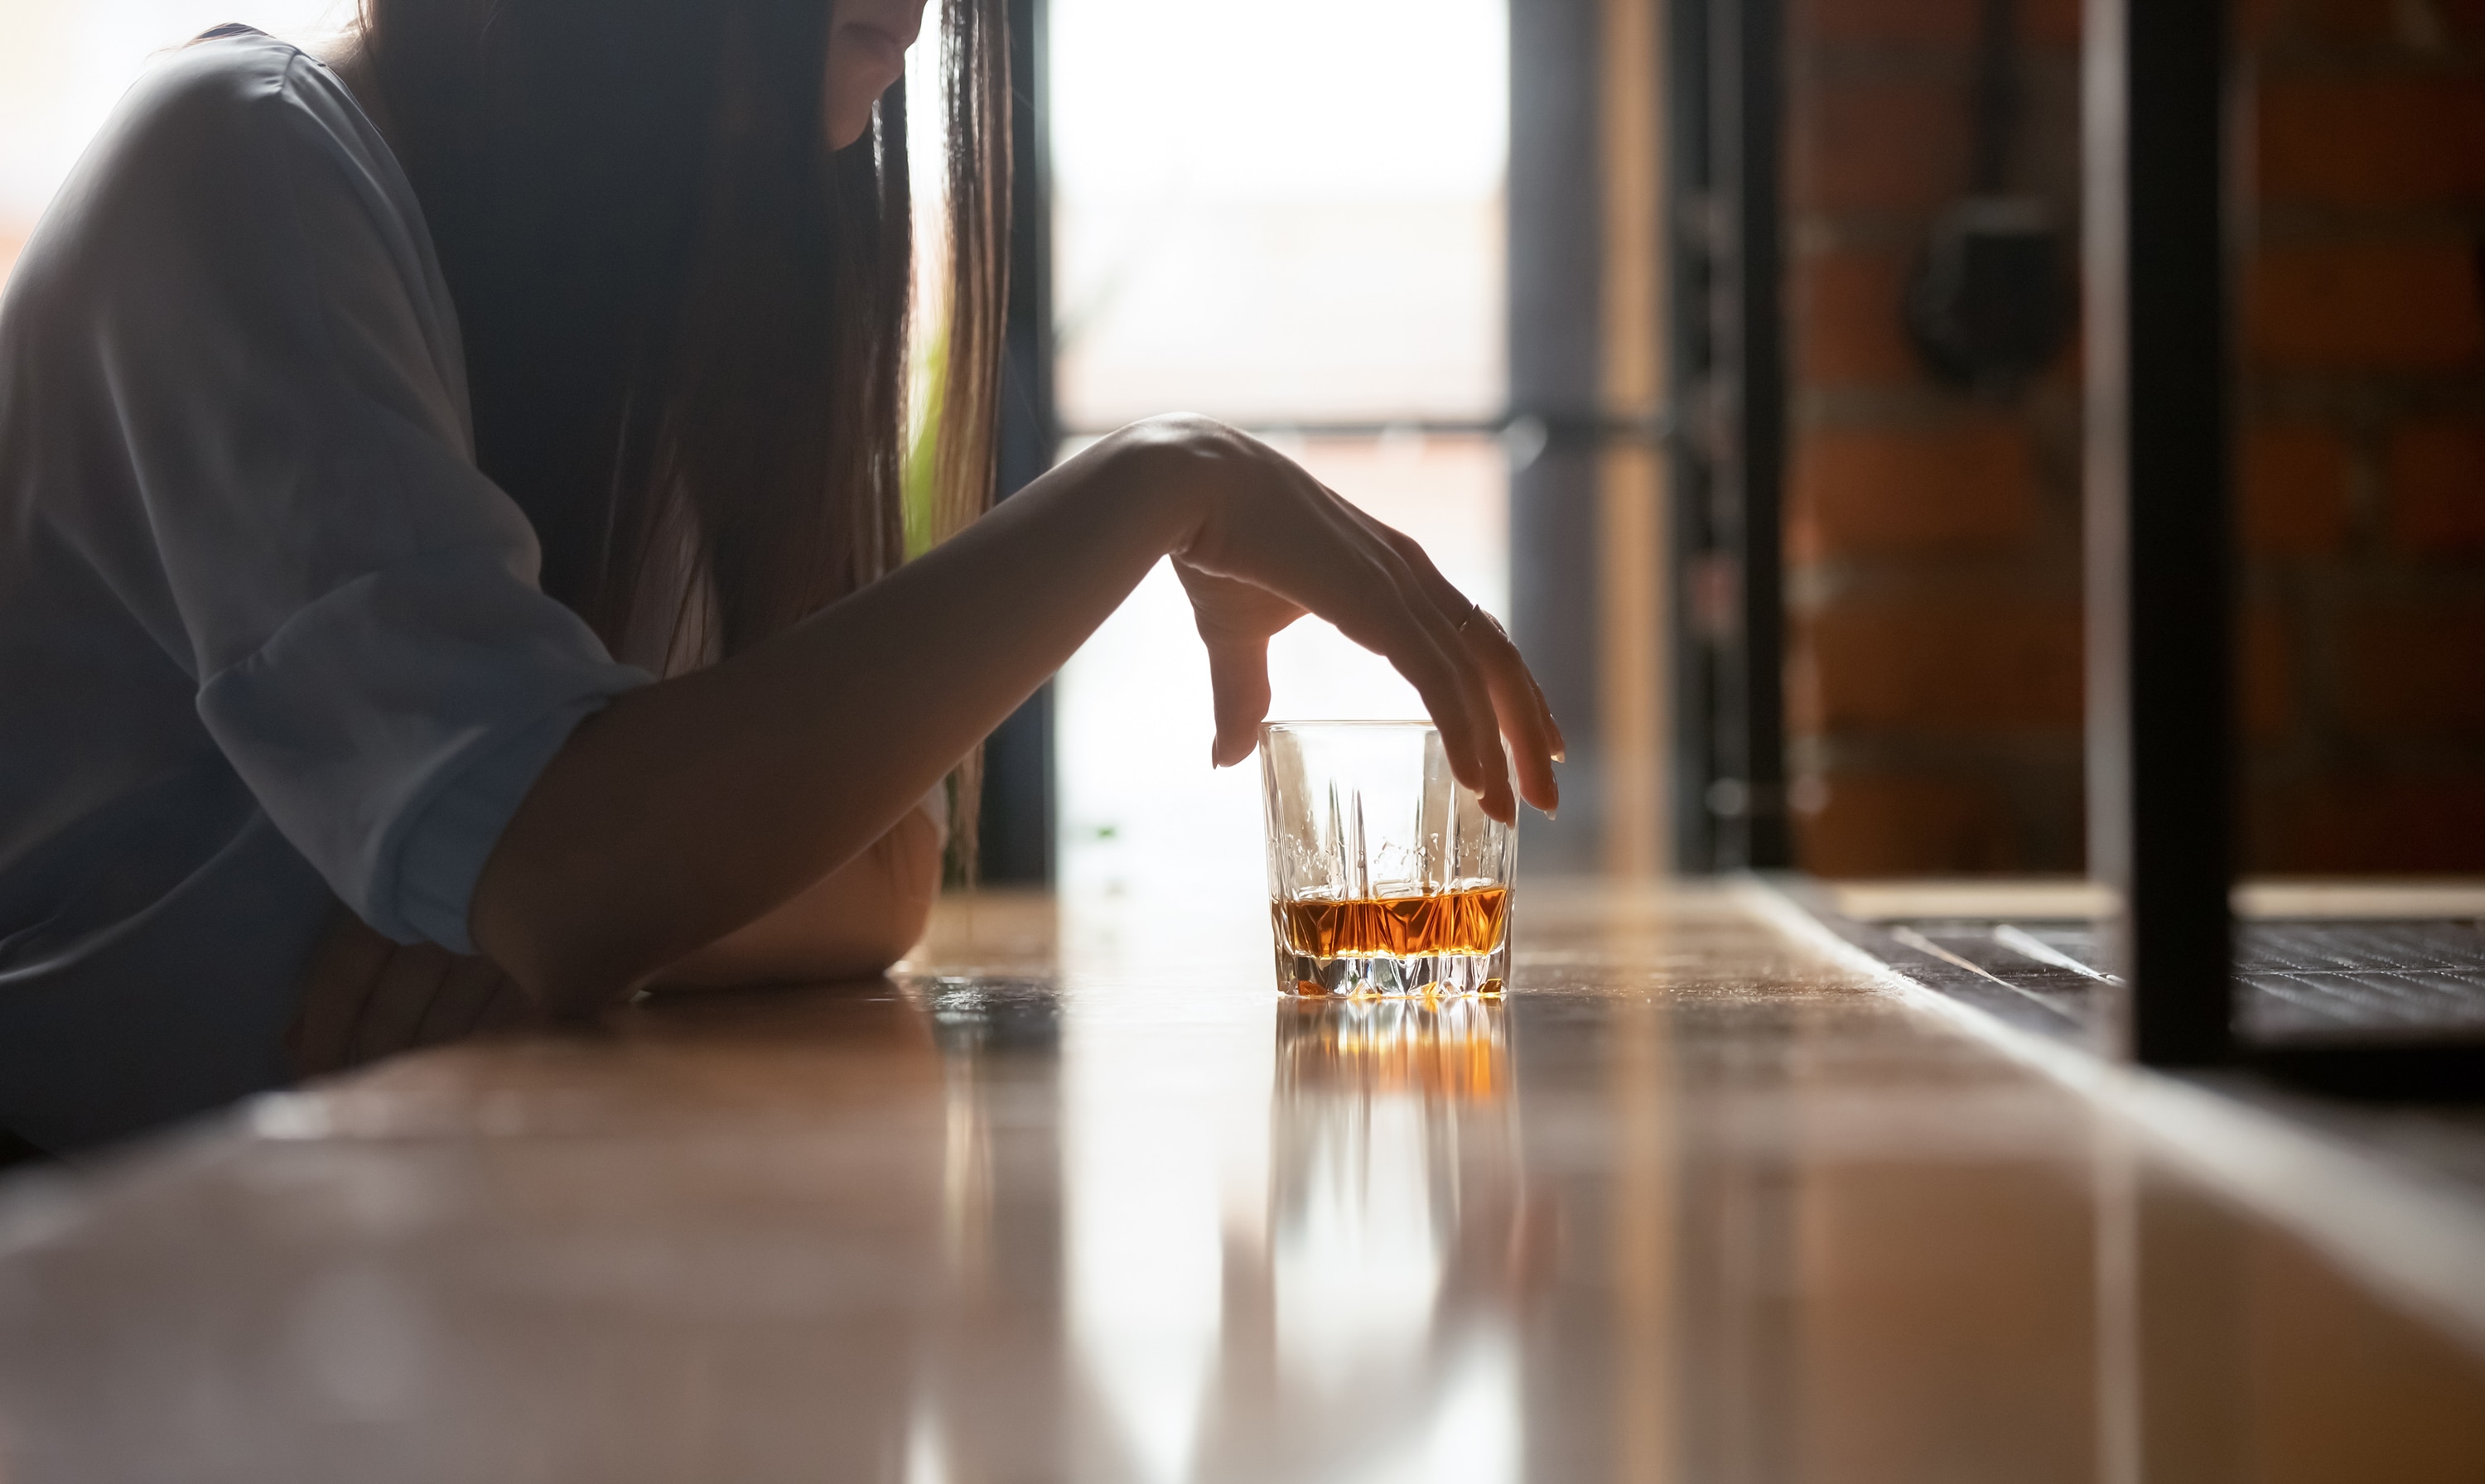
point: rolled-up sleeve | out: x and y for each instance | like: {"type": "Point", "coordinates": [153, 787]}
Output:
{"type": "Point", "coordinates": [358, 603]}
{"type": "Point", "coordinates": [392, 727]}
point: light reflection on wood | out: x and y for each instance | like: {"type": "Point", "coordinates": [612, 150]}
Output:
{"type": "Point", "coordinates": [1688, 1204]}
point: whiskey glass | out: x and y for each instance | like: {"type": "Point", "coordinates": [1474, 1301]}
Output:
{"type": "Point", "coordinates": [1385, 876]}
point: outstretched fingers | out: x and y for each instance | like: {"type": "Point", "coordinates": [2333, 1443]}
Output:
{"type": "Point", "coordinates": [1238, 673]}
{"type": "Point", "coordinates": [1524, 717]}
{"type": "Point", "coordinates": [1381, 590]}
{"type": "Point", "coordinates": [1518, 704]}
{"type": "Point", "coordinates": [1236, 620]}
{"type": "Point", "coordinates": [1459, 694]}
{"type": "Point", "coordinates": [1403, 608]}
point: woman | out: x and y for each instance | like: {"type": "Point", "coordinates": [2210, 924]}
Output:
{"type": "Point", "coordinates": [451, 564]}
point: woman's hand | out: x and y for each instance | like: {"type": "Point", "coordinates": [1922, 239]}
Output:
{"type": "Point", "coordinates": [365, 997]}
{"type": "Point", "coordinates": [689, 809]}
{"type": "Point", "coordinates": [1273, 542]}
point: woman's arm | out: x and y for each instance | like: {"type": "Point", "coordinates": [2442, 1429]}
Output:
{"type": "Point", "coordinates": [690, 808]}
{"type": "Point", "coordinates": [365, 997]}
{"type": "Point", "coordinates": [851, 924]}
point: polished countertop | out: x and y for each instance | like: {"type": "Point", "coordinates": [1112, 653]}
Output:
{"type": "Point", "coordinates": [1076, 1196]}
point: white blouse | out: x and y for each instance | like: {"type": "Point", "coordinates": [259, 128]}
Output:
{"type": "Point", "coordinates": [268, 638]}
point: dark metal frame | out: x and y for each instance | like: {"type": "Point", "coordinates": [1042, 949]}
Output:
{"type": "Point", "coordinates": [1017, 835]}
{"type": "Point", "coordinates": [2160, 743]}
{"type": "Point", "coordinates": [1556, 318]}
{"type": "Point", "coordinates": [1725, 102]}
{"type": "Point", "coordinates": [2159, 533]}
{"type": "Point", "coordinates": [2161, 376]}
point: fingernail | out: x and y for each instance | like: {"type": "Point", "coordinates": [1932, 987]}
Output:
{"type": "Point", "coordinates": [1560, 755]}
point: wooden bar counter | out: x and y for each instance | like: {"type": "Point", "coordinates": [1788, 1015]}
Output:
{"type": "Point", "coordinates": [1076, 1196]}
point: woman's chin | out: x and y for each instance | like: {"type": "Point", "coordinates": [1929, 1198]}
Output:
{"type": "Point", "coordinates": [846, 121]}
{"type": "Point", "coordinates": [853, 88]}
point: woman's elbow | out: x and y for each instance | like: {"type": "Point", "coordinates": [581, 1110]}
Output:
{"type": "Point", "coordinates": [907, 924]}
{"type": "Point", "coordinates": [854, 924]}
{"type": "Point", "coordinates": [912, 871]}
{"type": "Point", "coordinates": [570, 977]}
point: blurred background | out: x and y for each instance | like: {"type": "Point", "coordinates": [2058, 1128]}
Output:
{"type": "Point", "coordinates": [1678, 382]}
{"type": "Point", "coordinates": [1932, 541]}
{"type": "Point", "coordinates": [1520, 279]}
{"type": "Point", "coordinates": [68, 60]}
{"type": "Point", "coordinates": [1304, 238]}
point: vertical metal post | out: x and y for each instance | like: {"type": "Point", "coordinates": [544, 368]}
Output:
{"type": "Point", "coordinates": [1690, 243]}
{"type": "Point", "coordinates": [2159, 745]}
{"type": "Point", "coordinates": [1747, 97]}
{"type": "Point", "coordinates": [1017, 834]}
{"type": "Point", "coordinates": [1556, 308]}
{"type": "Point", "coordinates": [1724, 213]}
{"type": "Point", "coordinates": [1761, 294]}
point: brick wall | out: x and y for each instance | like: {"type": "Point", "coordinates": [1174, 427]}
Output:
{"type": "Point", "coordinates": [1933, 536]}
{"type": "Point", "coordinates": [2363, 468]}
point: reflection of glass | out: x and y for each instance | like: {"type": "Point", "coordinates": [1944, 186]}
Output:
{"type": "Point", "coordinates": [1385, 876]}
{"type": "Point", "coordinates": [1451, 1050]}
{"type": "Point", "coordinates": [1394, 1158]}
{"type": "Point", "coordinates": [998, 1238]}
{"type": "Point", "coordinates": [1400, 1240]}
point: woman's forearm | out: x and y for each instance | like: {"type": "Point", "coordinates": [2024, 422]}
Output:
{"type": "Point", "coordinates": [693, 807]}
{"type": "Point", "coordinates": [851, 924]}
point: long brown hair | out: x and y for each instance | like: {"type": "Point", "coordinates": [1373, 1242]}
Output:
{"type": "Point", "coordinates": [685, 317]}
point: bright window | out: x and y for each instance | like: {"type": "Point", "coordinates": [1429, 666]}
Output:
{"type": "Point", "coordinates": [1287, 214]}
{"type": "Point", "coordinates": [66, 62]}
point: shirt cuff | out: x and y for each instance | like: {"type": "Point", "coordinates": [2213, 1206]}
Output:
{"type": "Point", "coordinates": [444, 852]}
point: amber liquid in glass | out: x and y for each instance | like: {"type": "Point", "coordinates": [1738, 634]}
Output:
{"type": "Point", "coordinates": [1464, 921]}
